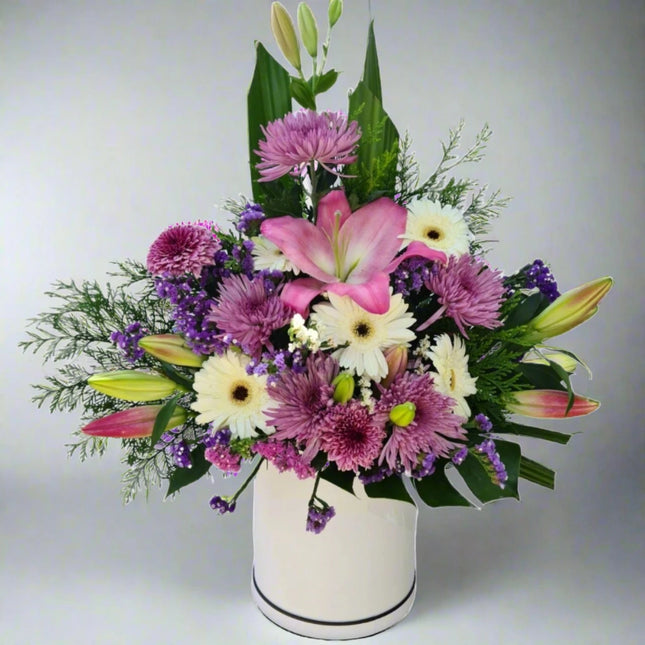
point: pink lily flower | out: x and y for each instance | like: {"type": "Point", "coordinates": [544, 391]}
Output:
{"type": "Point", "coordinates": [349, 254]}
{"type": "Point", "coordinates": [133, 423]}
{"type": "Point", "coordinates": [549, 404]}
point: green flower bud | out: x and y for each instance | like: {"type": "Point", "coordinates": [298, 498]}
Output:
{"type": "Point", "coordinates": [131, 385]}
{"type": "Point", "coordinates": [402, 415]}
{"type": "Point", "coordinates": [344, 387]}
{"type": "Point", "coordinates": [308, 29]}
{"type": "Point", "coordinates": [172, 349]}
{"type": "Point", "coordinates": [334, 12]}
{"type": "Point", "coordinates": [285, 34]}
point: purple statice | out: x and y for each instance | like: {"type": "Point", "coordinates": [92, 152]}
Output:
{"type": "Point", "coordinates": [182, 248]}
{"type": "Point", "coordinates": [246, 312]}
{"type": "Point", "coordinates": [241, 253]}
{"type": "Point", "coordinates": [497, 468]}
{"type": "Point", "coordinates": [302, 400]}
{"type": "Point", "coordinates": [128, 341]}
{"type": "Point", "coordinates": [218, 452]}
{"type": "Point", "coordinates": [180, 453]}
{"type": "Point", "coordinates": [425, 467]}
{"type": "Point", "coordinates": [222, 504]}
{"type": "Point", "coordinates": [468, 291]}
{"type": "Point", "coordinates": [305, 137]}
{"type": "Point", "coordinates": [410, 275]}
{"type": "Point", "coordinates": [318, 517]}
{"type": "Point", "coordinates": [483, 422]}
{"type": "Point", "coordinates": [284, 456]}
{"type": "Point", "coordinates": [250, 219]}
{"type": "Point", "coordinates": [375, 474]}
{"type": "Point", "coordinates": [459, 457]}
{"type": "Point", "coordinates": [435, 428]}
{"type": "Point", "coordinates": [539, 276]}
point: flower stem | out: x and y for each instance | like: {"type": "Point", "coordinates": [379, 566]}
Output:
{"type": "Point", "coordinates": [248, 480]}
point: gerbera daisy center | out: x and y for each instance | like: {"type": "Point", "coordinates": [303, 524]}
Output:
{"type": "Point", "coordinates": [434, 234]}
{"type": "Point", "coordinates": [363, 329]}
{"type": "Point", "coordinates": [239, 393]}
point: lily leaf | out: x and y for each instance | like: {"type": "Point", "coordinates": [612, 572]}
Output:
{"type": "Point", "coordinates": [342, 478]}
{"type": "Point", "coordinates": [530, 431]}
{"type": "Point", "coordinates": [301, 92]}
{"type": "Point", "coordinates": [435, 490]}
{"type": "Point", "coordinates": [163, 418]}
{"type": "Point", "coordinates": [544, 377]}
{"type": "Point", "coordinates": [325, 82]}
{"type": "Point", "coordinates": [537, 473]}
{"type": "Point", "coordinates": [526, 310]}
{"type": "Point", "coordinates": [268, 99]}
{"type": "Point", "coordinates": [391, 487]}
{"type": "Point", "coordinates": [181, 477]}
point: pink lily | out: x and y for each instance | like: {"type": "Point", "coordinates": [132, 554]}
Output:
{"type": "Point", "coordinates": [549, 404]}
{"type": "Point", "coordinates": [349, 254]}
{"type": "Point", "coordinates": [133, 423]}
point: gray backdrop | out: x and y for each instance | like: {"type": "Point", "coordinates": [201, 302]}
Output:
{"type": "Point", "coordinates": [120, 118]}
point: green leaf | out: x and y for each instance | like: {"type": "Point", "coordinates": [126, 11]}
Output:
{"type": "Point", "coordinates": [526, 310]}
{"type": "Point", "coordinates": [163, 418]}
{"type": "Point", "coordinates": [342, 478]}
{"type": "Point", "coordinates": [181, 477]}
{"type": "Point", "coordinates": [530, 431]}
{"type": "Point", "coordinates": [301, 92]}
{"type": "Point", "coordinates": [325, 82]}
{"type": "Point", "coordinates": [174, 375]}
{"type": "Point", "coordinates": [537, 473]}
{"type": "Point", "coordinates": [435, 490]}
{"type": "Point", "coordinates": [269, 98]}
{"type": "Point", "coordinates": [371, 73]}
{"type": "Point", "coordinates": [543, 377]}
{"type": "Point", "coordinates": [391, 487]}
{"type": "Point", "coordinates": [478, 478]}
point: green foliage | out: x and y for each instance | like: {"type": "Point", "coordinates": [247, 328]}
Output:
{"type": "Point", "coordinates": [391, 488]}
{"type": "Point", "coordinates": [435, 490]}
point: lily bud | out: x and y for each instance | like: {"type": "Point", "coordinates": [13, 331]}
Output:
{"type": "Point", "coordinates": [172, 349]}
{"type": "Point", "coordinates": [334, 11]}
{"type": "Point", "coordinates": [569, 310]}
{"type": "Point", "coordinates": [402, 415]}
{"type": "Point", "coordinates": [566, 362]}
{"type": "Point", "coordinates": [308, 29]}
{"type": "Point", "coordinates": [397, 362]}
{"type": "Point", "coordinates": [133, 423]}
{"type": "Point", "coordinates": [285, 34]}
{"type": "Point", "coordinates": [549, 404]}
{"type": "Point", "coordinates": [343, 387]}
{"type": "Point", "coordinates": [131, 385]}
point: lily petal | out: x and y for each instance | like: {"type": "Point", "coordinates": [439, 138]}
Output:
{"type": "Point", "coordinates": [332, 203]}
{"type": "Point", "coordinates": [549, 404]}
{"type": "Point", "coordinates": [416, 249]}
{"type": "Point", "coordinates": [299, 293]}
{"type": "Point", "coordinates": [133, 423]}
{"type": "Point", "coordinates": [373, 296]}
{"type": "Point", "coordinates": [306, 246]}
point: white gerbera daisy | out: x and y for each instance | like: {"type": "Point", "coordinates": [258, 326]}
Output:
{"type": "Point", "coordinates": [228, 396]}
{"type": "Point", "coordinates": [439, 227]}
{"type": "Point", "coordinates": [364, 335]}
{"type": "Point", "coordinates": [451, 376]}
{"type": "Point", "coordinates": [268, 257]}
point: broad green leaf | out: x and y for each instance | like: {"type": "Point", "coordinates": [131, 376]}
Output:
{"type": "Point", "coordinates": [530, 431]}
{"type": "Point", "coordinates": [181, 477]}
{"type": "Point", "coordinates": [325, 82]}
{"type": "Point", "coordinates": [342, 478]}
{"type": "Point", "coordinates": [371, 73]}
{"type": "Point", "coordinates": [537, 473]}
{"type": "Point", "coordinates": [268, 99]}
{"type": "Point", "coordinates": [478, 479]}
{"type": "Point", "coordinates": [164, 416]}
{"type": "Point", "coordinates": [391, 487]}
{"type": "Point", "coordinates": [543, 377]}
{"type": "Point", "coordinates": [301, 92]}
{"type": "Point", "coordinates": [435, 490]}
{"type": "Point", "coordinates": [174, 375]}
{"type": "Point", "coordinates": [526, 310]}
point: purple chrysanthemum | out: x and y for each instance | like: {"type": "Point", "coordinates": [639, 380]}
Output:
{"type": "Point", "coordinates": [305, 136]}
{"type": "Point", "coordinates": [468, 291]}
{"type": "Point", "coordinates": [352, 436]}
{"type": "Point", "coordinates": [248, 313]}
{"type": "Point", "coordinates": [435, 428]}
{"type": "Point", "coordinates": [304, 399]}
{"type": "Point", "coordinates": [182, 248]}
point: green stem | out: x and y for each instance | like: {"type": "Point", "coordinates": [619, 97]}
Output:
{"type": "Point", "coordinates": [313, 497]}
{"type": "Point", "coordinates": [314, 186]}
{"type": "Point", "coordinates": [248, 480]}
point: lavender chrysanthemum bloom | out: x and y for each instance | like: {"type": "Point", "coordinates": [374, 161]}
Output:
{"type": "Point", "coordinates": [248, 313]}
{"type": "Point", "coordinates": [539, 276]}
{"type": "Point", "coordinates": [468, 291]}
{"type": "Point", "coordinates": [305, 136]}
{"type": "Point", "coordinates": [435, 428]}
{"type": "Point", "coordinates": [182, 248]}
{"type": "Point", "coordinates": [318, 517]}
{"type": "Point", "coordinates": [303, 401]}
{"type": "Point", "coordinates": [128, 341]}
{"type": "Point", "coordinates": [352, 436]}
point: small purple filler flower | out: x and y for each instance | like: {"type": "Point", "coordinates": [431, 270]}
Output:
{"type": "Point", "coordinates": [302, 137]}
{"type": "Point", "coordinates": [318, 517]}
{"type": "Point", "coordinates": [539, 276]}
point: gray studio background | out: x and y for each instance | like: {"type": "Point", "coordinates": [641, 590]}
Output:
{"type": "Point", "coordinates": [119, 118]}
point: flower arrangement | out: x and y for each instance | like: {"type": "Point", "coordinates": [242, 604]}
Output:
{"type": "Point", "coordinates": [347, 325]}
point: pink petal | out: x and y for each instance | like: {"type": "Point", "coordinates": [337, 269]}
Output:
{"type": "Point", "coordinates": [373, 295]}
{"type": "Point", "coordinates": [328, 206]}
{"type": "Point", "coordinates": [550, 404]}
{"type": "Point", "coordinates": [417, 249]}
{"type": "Point", "coordinates": [126, 424]}
{"type": "Point", "coordinates": [306, 246]}
{"type": "Point", "coordinates": [371, 237]}
{"type": "Point", "coordinates": [299, 293]}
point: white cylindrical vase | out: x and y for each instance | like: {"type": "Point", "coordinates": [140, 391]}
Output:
{"type": "Point", "coordinates": [354, 579]}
